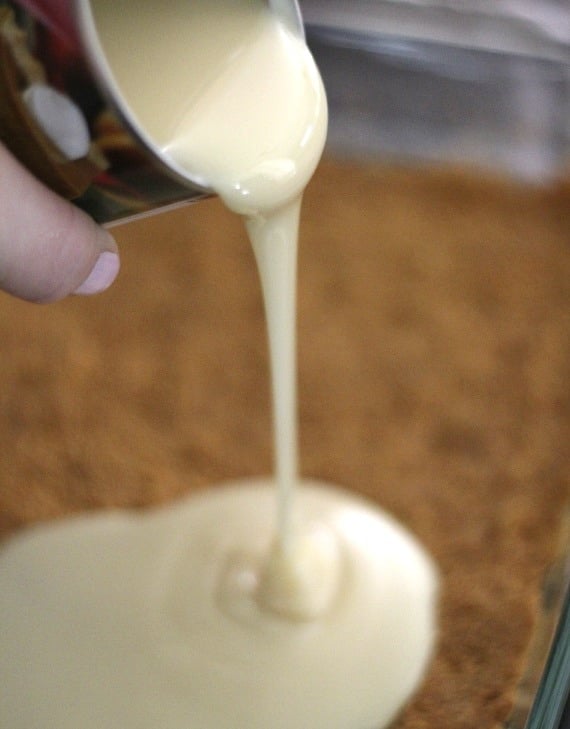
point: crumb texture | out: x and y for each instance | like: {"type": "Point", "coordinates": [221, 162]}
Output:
{"type": "Point", "coordinates": [434, 361]}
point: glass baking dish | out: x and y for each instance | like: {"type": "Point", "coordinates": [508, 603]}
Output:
{"type": "Point", "coordinates": [488, 86]}
{"type": "Point", "coordinates": [470, 81]}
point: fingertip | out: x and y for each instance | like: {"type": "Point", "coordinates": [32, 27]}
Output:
{"type": "Point", "coordinates": [49, 248]}
{"type": "Point", "coordinates": [102, 275]}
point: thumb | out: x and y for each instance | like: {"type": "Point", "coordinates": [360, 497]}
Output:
{"type": "Point", "coordinates": [48, 247]}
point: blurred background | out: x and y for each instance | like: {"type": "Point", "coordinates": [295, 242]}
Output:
{"type": "Point", "coordinates": [481, 81]}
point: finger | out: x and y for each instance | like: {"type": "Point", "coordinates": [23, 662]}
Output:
{"type": "Point", "coordinates": [48, 247]}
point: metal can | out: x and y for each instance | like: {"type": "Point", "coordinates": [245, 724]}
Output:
{"type": "Point", "coordinates": [63, 118]}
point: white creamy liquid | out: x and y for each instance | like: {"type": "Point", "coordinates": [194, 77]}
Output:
{"type": "Point", "coordinates": [235, 609]}
{"type": "Point", "coordinates": [151, 622]}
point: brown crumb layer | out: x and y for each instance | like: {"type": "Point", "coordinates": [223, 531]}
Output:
{"type": "Point", "coordinates": [434, 357]}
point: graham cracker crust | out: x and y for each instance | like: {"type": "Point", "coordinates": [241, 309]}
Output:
{"type": "Point", "coordinates": [434, 361]}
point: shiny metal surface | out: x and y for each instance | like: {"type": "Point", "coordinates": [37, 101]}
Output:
{"type": "Point", "coordinates": [123, 173]}
{"type": "Point", "coordinates": [290, 13]}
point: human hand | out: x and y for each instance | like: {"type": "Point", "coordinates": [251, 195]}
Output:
{"type": "Point", "coordinates": [48, 247]}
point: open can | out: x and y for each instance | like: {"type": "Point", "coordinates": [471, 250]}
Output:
{"type": "Point", "coordinates": [63, 117]}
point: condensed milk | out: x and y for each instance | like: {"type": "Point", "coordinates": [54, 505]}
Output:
{"type": "Point", "coordinates": [247, 606]}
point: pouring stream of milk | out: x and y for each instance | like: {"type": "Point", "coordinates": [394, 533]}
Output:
{"type": "Point", "coordinates": [251, 125]}
{"type": "Point", "coordinates": [205, 614]}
